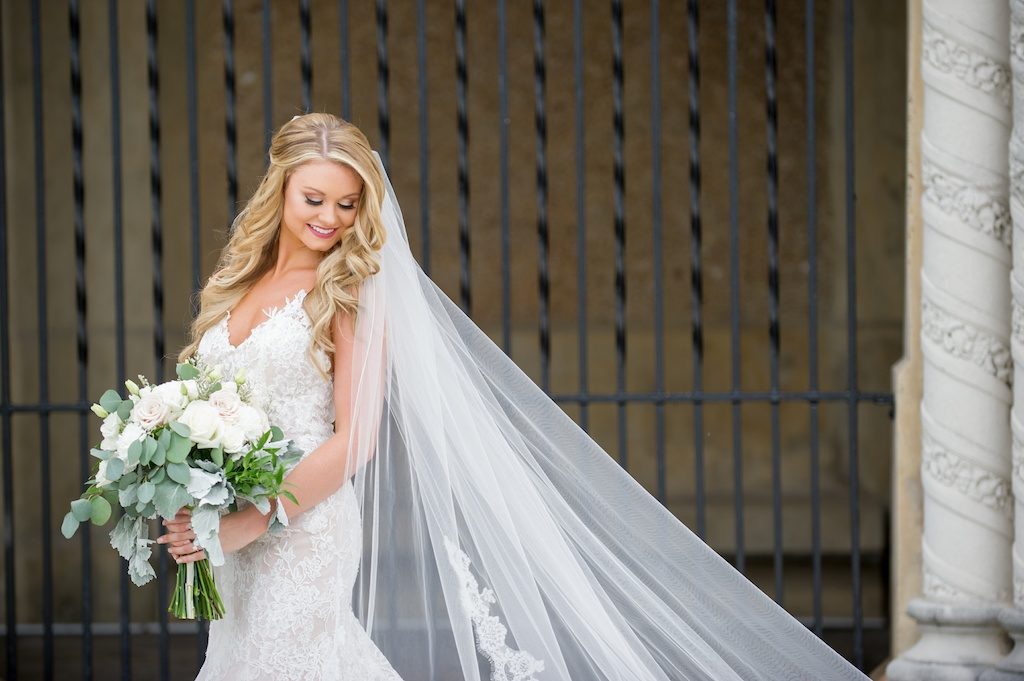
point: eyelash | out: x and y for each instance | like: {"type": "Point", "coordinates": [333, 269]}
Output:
{"type": "Point", "coordinates": [317, 203]}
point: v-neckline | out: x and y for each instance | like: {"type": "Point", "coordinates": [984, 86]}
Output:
{"type": "Point", "coordinates": [268, 314]}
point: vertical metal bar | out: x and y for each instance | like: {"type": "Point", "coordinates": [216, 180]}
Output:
{"type": "Point", "coordinates": [541, 124]}
{"type": "Point", "coordinates": [193, 179]}
{"type": "Point", "coordinates": [812, 311]}
{"type": "Point", "coordinates": [231, 136]}
{"type": "Point", "coordinates": [734, 292]}
{"type": "Point", "coordinates": [503, 130]}
{"type": "Point", "coordinates": [771, 112]}
{"type": "Point", "coordinates": [851, 321]}
{"type": "Point", "coordinates": [156, 240]}
{"type": "Point", "coordinates": [659, 324]}
{"type": "Point", "coordinates": [346, 80]}
{"type": "Point", "coordinates": [193, 147]}
{"type": "Point", "coordinates": [305, 58]}
{"type": "Point", "coordinates": [696, 276]}
{"type": "Point", "coordinates": [44, 367]}
{"type": "Point", "coordinates": [268, 80]}
{"type": "Point", "coordinates": [581, 210]}
{"type": "Point", "coordinates": [620, 225]}
{"type": "Point", "coordinates": [119, 322]}
{"type": "Point", "coordinates": [465, 299]}
{"type": "Point", "coordinates": [10, 614]}
{"type": "Point", "coordinates": [383, 114]}
{"type": "Point", "coordinates": [421, 88]}
{"type": "Point", "coordinates": [81, 336]}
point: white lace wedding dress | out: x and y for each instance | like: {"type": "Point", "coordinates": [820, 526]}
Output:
{"type": "Point", "coordinates": [288, 596]}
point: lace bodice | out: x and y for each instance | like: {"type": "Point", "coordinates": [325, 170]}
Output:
{"type": "Point", "coordinates": [279, 370]}
{"type": "Point", "coordinates": [288, 596]}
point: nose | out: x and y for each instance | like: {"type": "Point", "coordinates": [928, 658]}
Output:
{"type": "Point", "coordinates": [327, 219]}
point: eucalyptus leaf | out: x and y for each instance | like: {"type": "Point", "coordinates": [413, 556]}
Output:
{"type": "Point", "coordinates": [134, 453]}
{"type": "Point", "coordinates": [100, 510]}
{"type": "Point", "coordinates": [180, 428]}
{"type": "Point", "coordinates": [146, 491]}
{"type": "Point", "coordinates": [165, 438]}
{"type": "Point", "coordinates": [179, 449]}
{"type": "Point", "coordinates": [110, 400]}
{"type": "Point", "coordinates": [100, 454]}
{"type": "Point", "coordinates": [129, 495]}
{"type": "Point", "coordinates": [115, 468]}
{"type": "Point", "coordinates": [124, 410]}
{"type": "Point", "coordinates": [186, 371]}
{"type": "Point", "coordinates": [127, 479]}
{"type": "Point", "coordinates": [69, 526]}
{"type": "Point", "coordinates": [158, 476]}
{"type": "Point", "coordinates": [81, 509]}
{"type": "Point", "coordinates": [277, 434]}
{"type": "Point", "coordinates": [179, 472]}
{"type": "Point", "coordinates": [217, 456]}
{"type": "Point", "coordinates": [160, 455]}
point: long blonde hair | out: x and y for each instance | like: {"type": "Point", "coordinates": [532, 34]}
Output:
{"type": "Point", "coordinates": [251, 249]}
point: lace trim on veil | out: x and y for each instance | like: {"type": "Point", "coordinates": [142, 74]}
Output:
{"type": "Point", "coordinates": [507, 664]}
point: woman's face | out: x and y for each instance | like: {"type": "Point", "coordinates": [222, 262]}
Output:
{"type": "Point", "coordinates": [320, 200]}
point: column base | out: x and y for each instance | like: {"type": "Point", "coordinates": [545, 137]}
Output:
{"type": "Point", "coordinates": [1011, 667]}
{"type": "Point", "coordinates": [958, 643]}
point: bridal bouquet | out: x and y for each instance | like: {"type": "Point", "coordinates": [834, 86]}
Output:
{"type": "Point", "coordinates": [197, 442]}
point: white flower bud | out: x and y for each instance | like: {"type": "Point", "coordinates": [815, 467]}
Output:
{"type": "Point", "coordinates": [240, 376]}
{"type": "Point", "coordinates": [132, 387]}
{"type": "Point", "coordinates": [215, 373]}
{"type": "Point", "coordinates": [99, 411]}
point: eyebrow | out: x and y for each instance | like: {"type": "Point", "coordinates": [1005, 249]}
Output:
{"type": "Point", "coordinates": [314, 189]}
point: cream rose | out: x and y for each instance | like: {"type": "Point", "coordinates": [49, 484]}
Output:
{"type": "Point", "coordinates": [227, 403]}
{"type": "Point", "coordinates": [150, 412]}
{"type": "Point", "coordinates": [171, 395]}
{"type": "Point", "coordinates": [233, 439]}
{"type": "Point", "coordinates": [253, 422]}
{"type": "Point", "coordinates": [204, 422]}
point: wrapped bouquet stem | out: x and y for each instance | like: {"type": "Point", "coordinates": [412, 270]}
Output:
{"type": "Point", "coordinates": [196, 442]}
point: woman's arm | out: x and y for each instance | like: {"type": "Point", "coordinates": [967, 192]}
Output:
{"type": "Point", "coordinates": [324, 470]}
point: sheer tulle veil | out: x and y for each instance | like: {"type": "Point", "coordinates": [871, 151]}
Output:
{"type": "Point", "coordinates": [501, 542]}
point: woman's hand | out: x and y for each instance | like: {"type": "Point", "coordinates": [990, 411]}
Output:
{"type": "Point", "coordinates": [237, 530]}
{"type": "Point", "coordinates": [180, 537]}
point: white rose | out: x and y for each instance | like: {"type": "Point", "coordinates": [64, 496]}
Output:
{"type": "Point", "coordinates": [204, 422]}
{"type": "Point", "coordinates": [227, 403]}
{"type": "Point", "coordinates": [150, 412]}
{"type": "Point", "coordinates": [131, 433]}
{"type": "Point", "coordinates": [253, 422]}
{"type": "Point", "coordinates": [110, 429]}
{"type": "Point", "coordinates": [233, 439]}
{"type": "Point", "coordinates": [170, 394]}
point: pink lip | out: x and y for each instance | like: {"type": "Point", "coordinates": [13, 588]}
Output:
{"type": "Point", "coordinates": [321, 236]}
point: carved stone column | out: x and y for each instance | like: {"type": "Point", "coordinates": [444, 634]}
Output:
{"type": "Point", "coordinates": [1012, 619]}
{"type": "Point", "coordinates": [965, 343]}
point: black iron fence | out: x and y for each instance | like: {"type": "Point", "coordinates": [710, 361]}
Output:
{"type": "Point", "coordinates": [568, 318]}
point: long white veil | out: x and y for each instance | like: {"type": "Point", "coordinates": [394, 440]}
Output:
{"type": "Point", "coordinates": [501, 542]}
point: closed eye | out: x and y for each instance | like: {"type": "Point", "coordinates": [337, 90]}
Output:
{"type": "Point", "coordinates": [315, 202]}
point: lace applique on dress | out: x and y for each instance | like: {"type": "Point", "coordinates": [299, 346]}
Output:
{"type": "Point", "coordinates": [507, 664]}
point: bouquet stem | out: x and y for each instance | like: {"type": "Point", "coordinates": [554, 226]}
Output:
{"type": "Point", "coordinates": [195, 593]}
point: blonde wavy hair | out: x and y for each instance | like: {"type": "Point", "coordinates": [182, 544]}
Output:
{"type": "Point", "coordinates": [251, 249]}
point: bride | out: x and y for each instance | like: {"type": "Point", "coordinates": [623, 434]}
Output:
{"type": "Point", "coordinates": [452, 522]}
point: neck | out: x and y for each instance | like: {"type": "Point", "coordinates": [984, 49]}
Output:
{"type": "Point", "coordinates": [292, 256]}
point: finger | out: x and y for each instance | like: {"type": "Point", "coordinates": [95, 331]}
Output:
{"type": "Point", "coordinates": [191, 558]}
{"type": "Point", "coordinates": [179, 527]}
{"type": "Point", "coordinates": [173, 537]}
{"type": "Point", "coordinates": [182, 548]}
